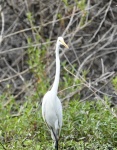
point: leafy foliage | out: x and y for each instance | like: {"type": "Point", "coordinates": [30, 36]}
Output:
{"type": "Point", "coordinates": [114, 82]}
{"type": "Point", "coordinates": [86, 125]}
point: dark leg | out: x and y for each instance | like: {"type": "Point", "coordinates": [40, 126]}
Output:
{"type": "Point", "coordinates": [56, 145]}
{"type": "Point", "coordinates": [56, 140]}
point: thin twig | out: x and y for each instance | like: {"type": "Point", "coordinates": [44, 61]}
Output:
{"type": "Point", "coordinates": [109, 4]}
{"type": "Point", "coordinates": [70, 22]}
{"type": "Point", "coordinates": [3, 24]}
{"type": "Point", "coordinates": [9, 78]}
{"type": "Point", "coordinates": [88, 85]}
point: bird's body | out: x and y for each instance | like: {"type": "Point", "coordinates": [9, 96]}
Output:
{"type": "Point", "coordinates": [51, 105]}
{"type": "Point", "coordinates": [52, 113]}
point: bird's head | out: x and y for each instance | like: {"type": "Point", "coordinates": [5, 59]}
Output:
{"type": "Point", "coordinates": [62, 42]}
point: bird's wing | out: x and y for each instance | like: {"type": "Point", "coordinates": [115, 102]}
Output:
{"type": "Point", "coordinates": [52, 112]}
{"type": "Point", "coordinates": [43, 114]}
{"type": "Point", "coordinates": [58, 123]}
{"type": "Point", "coordinates": [59, 112]}
{"type": "Point", "coordinates": [46, 110]}
{"type": "Point", "coordinates": [44, 105]}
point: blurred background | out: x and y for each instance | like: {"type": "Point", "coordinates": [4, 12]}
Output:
{"type": "Point", "coordinates": [88, 81]}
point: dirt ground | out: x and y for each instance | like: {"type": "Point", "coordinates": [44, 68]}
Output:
{"type": "Point", "coordinates": [91, 33]}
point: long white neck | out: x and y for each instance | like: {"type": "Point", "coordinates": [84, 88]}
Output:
{"type": "Point", "coordinates": [57, 75]}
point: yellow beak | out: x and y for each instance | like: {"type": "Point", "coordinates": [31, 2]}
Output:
{"type": "Point", "coordinates": [63, 43]}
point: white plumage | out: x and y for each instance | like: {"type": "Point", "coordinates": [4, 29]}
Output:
{"type": "Point", "coordinates": [52, 113]}
{"type": "Point", "coordinates": [51, 105]}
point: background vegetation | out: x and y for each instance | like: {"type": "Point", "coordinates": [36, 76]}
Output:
{"type": "Point", "coordinates": [88, 82]}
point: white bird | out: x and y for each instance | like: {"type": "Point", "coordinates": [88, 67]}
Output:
{"type": "Point", "coordinates": [51, 105]}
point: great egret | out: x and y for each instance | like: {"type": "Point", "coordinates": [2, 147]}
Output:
{"type": "Point", "coordinates": [51, 105]}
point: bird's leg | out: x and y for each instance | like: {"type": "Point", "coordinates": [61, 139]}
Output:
{"type": "Point", "coordinates": [56, 140]}
{"type": "Point", "coordinates": [56, 144]}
